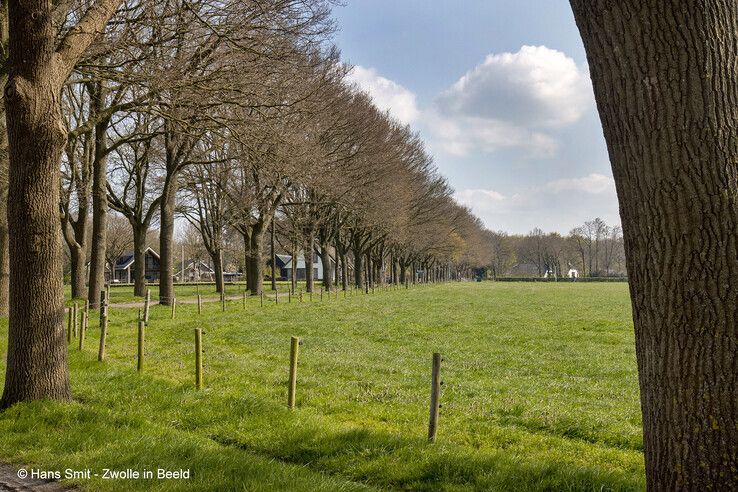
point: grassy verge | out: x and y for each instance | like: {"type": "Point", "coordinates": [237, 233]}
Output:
{"type": "Point", "coordinates": [540, 393]}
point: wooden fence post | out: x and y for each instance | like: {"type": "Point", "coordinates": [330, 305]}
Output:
{"type": "Point", "coordinates": [294, 349]}
{"type": "Point", "coordinates": [74, 322]}
{"type": "Point", "coordinates": [103, 336]}
{"type": "Point", "coordinates": [83, 330]}
{"type": "Point", "coordinates": [244, 299]}
{"type": "Point", "coordinates": [276, 297]}
{"type": "Point", "coordinates": [289, 296]}
{"type": "Point", "coordinates": [103, 304]}
{"type": "Point", "coordinates": [435, 403]}
{"type": "Point", "coordinates": [146, 305]}
{"type": "Point", "coordinates": [174, 307]}
{"type": "Point", "coordinates": [261, 298]}
{"type": "Point", "coordinates": [69, 325]}
{"type": "Point", "coordinates": [141, 328]}
{"type": "Point", "coordinates": [198, 358]}
{"type": "Point", "coordinates": [222, 300]}
{"type": "Point", "coordinates": [321, 293]}
{"type": "Point", "coordinates": [199, 304]}
{"type": "Point", "coordinates": [300, 295]}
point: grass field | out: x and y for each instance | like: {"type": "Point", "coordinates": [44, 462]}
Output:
{"type": "Point", "coordinates": [540, 393]}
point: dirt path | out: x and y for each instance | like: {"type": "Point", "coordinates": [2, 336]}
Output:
{"type": "Point", "coordinates": [10, 481]}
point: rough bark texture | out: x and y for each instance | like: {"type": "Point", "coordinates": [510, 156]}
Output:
{"type": "Point", "coordinates": [139, 260]}
{"type": "Point", "coordinates": [309, 271]}
{"type": "Point", "coordinates": [37, 352]}
{"type": "Point", "coordinates": [273, 255]}
{"type": "Point", "coordinates": [666, 85]}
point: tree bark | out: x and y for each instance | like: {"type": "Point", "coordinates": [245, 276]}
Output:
{"type": "Point", "coordinates": [255, 267]}
{"type": "Point", "coordinates": [273, 255]}
{"type": "Point", "coordinates": [139, 260]}
{"type": "Point", "coordinates": [325, 260]}
{"type": "Point", "coordinates": [78, 259]}
{"type": "Point", "coordinates": [166, 240]}
{"type": "Point", "coordinates": [37, 352]}
{"type": "Point", "coordinates": [666, 89]}
{"type": "Point", "coordinates": [309, 273]}
{"type": "Point", "coordinates": [96, 281]}
{"type": "Point", "coordinates": [217, 257]}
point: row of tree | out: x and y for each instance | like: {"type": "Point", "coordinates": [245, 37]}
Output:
{"type": "Point", "coordinates": [594, 249]}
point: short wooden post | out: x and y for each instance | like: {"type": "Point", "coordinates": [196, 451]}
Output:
{"type": "Point", "coordinates": [69, 325]}
{"type": "Point", "coordinates": [103, 336]}
{"type": "Point", "coordinates": [103, 304]}
{"type": "Point", "coordinates": [289, 296]}
{"type": "Point", "coordinates": [222, 301]}
{"type": "Point", "coordinates": [261, 298]}
{"type": "Point", "coordinates": [146, 305]}
{"type": "Point", "coordinates": [321, 293]}
{"type": "Point", "coordinates": [141, 328]}
{"type": "Point", "coordinates": [294, 349]}
{"type": "Point", "coordinates": [83, 330]}
{"type": "Point", "coordinates": [174, 307]}
{"type": "Point", "coordinates": [300, 295]}
{"type": "Point", "coordinates": [74, 321]}
{"type": "Point", "coordinates": [311, 296]}
{"type": "Point", "coordinates": [244, 299]}
{"type": "Point", "coordinates": [198, 358]}
{"type": "Point", "coordinates": [199, 304]}
{"type": "Point", "coordinates": [276, 297]}
{"type": "Point", "coordinates": [435, 403]}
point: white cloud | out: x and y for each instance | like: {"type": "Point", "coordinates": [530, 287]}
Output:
{"type": "Point", "coordinates": [594, 183]}
{"type": "Point", "coordinates": [534, 87]}
{"type": "Point", "coordinates": [556, 205]}
{"type": "Point", "coordinates": [387, 94]}
{"type": "Point", "coordinates": [511, 100]}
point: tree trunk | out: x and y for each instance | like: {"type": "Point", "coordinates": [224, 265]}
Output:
{"type": "Point", "coordinates": [166, 240]}
{"type": "Point", "coordinates": [294, 266]}
{"type": "Point", "coordinates": [274, 256]}
{"type": "Point", "coordinates": [37, 349]}
{"type": "Point", "coordinates": [4, 239]}
{"type": "Point", "coordinates": [139, 260]}
{"type": "Point", "coordinates": [309, 274]}
{"type": "Point", "coordinates": [358, 269]}
{"type": "Point", "coordinates": [96, 280]}
{"type": "Point", "coordinates": [666, 86]}
{"type": "Point", "coordinates": [255, 275]}
{"type": "Point", "coordinates": [344, 272]}
{"type": "Point", "coordinates": [78, 258]}
{"type": "Point", "coordinates": [325, 260]}
{"type": "Point", "coordinates": [217, 257]}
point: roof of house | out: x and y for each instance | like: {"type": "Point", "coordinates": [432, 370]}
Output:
{"type": "Point", "coordinates": [523, 270]}
{"type": "Point", "coordinates": [126, 260]}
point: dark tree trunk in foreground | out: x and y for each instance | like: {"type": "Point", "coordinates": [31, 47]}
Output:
{"type": "Point", "coordinates": [666, 88]}
{"type": "Point", "coordinates": [309, 272]}
{"type": "Point", "coordinates": [37, 350]}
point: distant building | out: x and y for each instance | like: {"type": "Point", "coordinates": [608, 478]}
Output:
{"type": "Point", "coordinates": [573, 273]}
{"type": "Point", "coordinates": [123, 272]}
{"type": "Point", "coordinates": [196, 271]}
{"type": "Point", "coordinates": [284, 266]}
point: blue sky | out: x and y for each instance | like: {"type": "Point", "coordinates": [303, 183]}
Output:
{"type": "Point", "coordinates": [500, 92]}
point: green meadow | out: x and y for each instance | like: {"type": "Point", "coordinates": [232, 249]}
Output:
{"type": "Point", "coordinates": [540, 393]}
